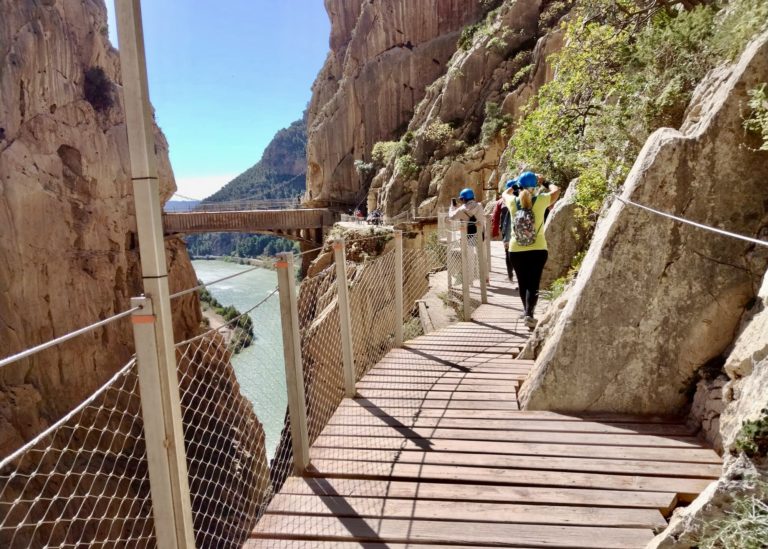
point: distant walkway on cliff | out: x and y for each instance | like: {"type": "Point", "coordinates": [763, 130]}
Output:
{"type": "Point", "coordinates": [434, 450]}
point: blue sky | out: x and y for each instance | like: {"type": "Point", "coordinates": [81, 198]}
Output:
{"type": "Point", "coordinates": [225, 76]}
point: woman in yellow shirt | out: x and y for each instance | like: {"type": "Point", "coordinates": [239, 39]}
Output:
{"type": "Point", "coordinates": [528, 258]}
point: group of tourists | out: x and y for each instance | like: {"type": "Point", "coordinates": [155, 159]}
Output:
{"type": "Point", "coordinates": [518, 217]}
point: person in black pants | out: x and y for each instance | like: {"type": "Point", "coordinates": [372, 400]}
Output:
{"type": "Point", "coordinates": [528, 246]}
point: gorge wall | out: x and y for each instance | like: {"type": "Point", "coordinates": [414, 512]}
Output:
{"type": "Point", "coordinates": [69, 257]}
{"type": "Point", "coordinates": [383, 55]}
{"type": "Point", "coordinates": [69, 249]}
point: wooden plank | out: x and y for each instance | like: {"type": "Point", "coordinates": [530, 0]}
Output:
{"type": "Point", "coordinates": [345, 487]}
{"type": "Point", "coordinates": [320, 544]}
{"type": "Point", "coordinates": [405, 531]}
{"type": "Point", "coordinates": [694, 455]}
{"type": "Point", "coordinates": [435, 395]}
{"type": "Point", "coordinates": [686, 488]}
{"type": "Point", "coordinates": [399, 382]}
{"type": "Point", "coordinates": [603, 439]}
{"type": "Point", "coordinates": [533, 461]}
{"type": "Point", "coordinates": [407, 376]}
{"type": "Point", "coordinates": [431, 386]}
{"type": "Point", "coordinates": [364, 507]}
{"type": "Point", "coordinates": [441, 404]}
{"type": "Point", "coordinates": [514, 424]}
{"type": "Point", "coordinates": [350, 405]}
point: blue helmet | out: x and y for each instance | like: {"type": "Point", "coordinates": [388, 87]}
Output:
{"type": "Point", "coordinates": [467, 194]}
{"type": "Point", "coordinates": [509, 183]}
{"type": "Point", "coordinates": [527, 180]}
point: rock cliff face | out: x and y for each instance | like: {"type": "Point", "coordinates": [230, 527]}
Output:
{"type": "Point", "coordinates": [69, 252]}
{"type": "Point", "coordinates": [675, 302]}
{"type": "Point", "coordinates": [69, 249]}
{"type": "Point", "coordinates": [383, 55]}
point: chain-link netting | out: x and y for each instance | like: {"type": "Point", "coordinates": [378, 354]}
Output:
{"type": "Point", "coordinates": [233, 398]}
{"type": "Point", "coordinates": [372, 310]}
{"type": "Point", "coordinates": [321, 352]}
{"type": "Point", "coordinates": [83, 482]}
{"type": "Point", "coordinates": [419, 266]}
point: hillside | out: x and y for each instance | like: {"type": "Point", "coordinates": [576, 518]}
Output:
{"type": "Point", "coordinates": [279, 174]}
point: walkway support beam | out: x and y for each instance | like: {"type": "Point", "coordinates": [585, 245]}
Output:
{"type": "Point", "coordinates": [294, 369]}
{"type": "Point", "coordinates": [345, 319]}
{"type": "Point", "coordinates": [155, 351]}
{"type": "Point", "coordinates": [398, 288]}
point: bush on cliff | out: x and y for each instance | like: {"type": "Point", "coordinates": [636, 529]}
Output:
{"type": "Point", "coordinates": [625, 70]}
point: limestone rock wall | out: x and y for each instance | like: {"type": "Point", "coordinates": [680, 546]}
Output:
{"type": "Point", "coordinates": [504, 65]}
{"type": "Point", "coordinates": [69, 249]}
{"type": "Point", "coordinates": [383, 54]}
{"type": "Point", "coordinates": [659, 299]}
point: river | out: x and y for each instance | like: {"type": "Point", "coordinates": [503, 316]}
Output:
{"type": "Point", "coordinates": [259, 368]}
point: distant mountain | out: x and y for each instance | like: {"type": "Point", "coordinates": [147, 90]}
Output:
{"type": "Point", "coordinates": [281, 172]}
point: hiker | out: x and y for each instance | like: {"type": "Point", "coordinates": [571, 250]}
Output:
{"type": "Point", "coordinates": [501, 224]}
{"type": "Point", "coordinates": [472, 213]}
{"type": "Point", "coordinates": [528, 246]}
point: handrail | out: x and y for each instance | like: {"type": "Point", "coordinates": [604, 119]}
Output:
{"type": "Point", "coordinates": [694, 223]}
{"type": "Point", "coordinates": [54, 342]}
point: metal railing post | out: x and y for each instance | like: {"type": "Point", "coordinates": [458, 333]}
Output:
{"type": "Point", "coordinates": [294, 370]}
{"type": "Point", "coordinates": [398, 288]}
{"type": "Point", "coordinates": [448, 244]}
{"type": "Point", "coordinates": [345, 319]}
{"type": "Point", "coordinates": [169, 482]}
{"type": "Point", "coordinates": [163, 454]}
{"type": "Point", "coordinates": [488, 251]}
{"type": "Point", "coordinates": [482, 265]}
{"type": "Point", "coordinates": [465, 273]}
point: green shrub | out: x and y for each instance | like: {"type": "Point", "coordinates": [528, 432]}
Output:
{"type": "Point", "coordinates": [752, 439]}
{"type": "Point", "coordinates": [757, 121]}
{"type": "Point", "coordinates": [384, 151]}
{"type": "Point", "coordinates": [437, 133]}
{"type": "Point", "coordinates": [364, 169]}
{"type": "Point", "coordinates": [495, 122]}
{"type": "Point", "coordinates": [743, 20]}
{"type": "Point", "coordinates": [467, 36]}
{"type": "Point", "coordinates": [745, 525]}
{"type": "Point", "coordinates": [407, 167]}
{"type": "Point", "coordinates": [622, 73]}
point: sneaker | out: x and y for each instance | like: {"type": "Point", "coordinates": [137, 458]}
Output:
{"type": "Point", "coordinates": [530, 322]}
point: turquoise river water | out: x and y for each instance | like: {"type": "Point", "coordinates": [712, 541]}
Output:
{"type": "Point", "coordinates": [259, 368]}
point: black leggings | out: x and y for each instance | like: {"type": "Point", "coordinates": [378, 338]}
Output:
{"type": "Point", "coordinates": [508, 258]}
{"type": "Point", "coordinates": [528, 267]}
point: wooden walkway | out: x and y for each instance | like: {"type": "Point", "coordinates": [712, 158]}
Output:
{"type": "Point", "coordinates": [435, 453]}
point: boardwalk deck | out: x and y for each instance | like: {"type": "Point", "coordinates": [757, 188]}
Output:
{"type": "Point", "coordinates": [435, 452]}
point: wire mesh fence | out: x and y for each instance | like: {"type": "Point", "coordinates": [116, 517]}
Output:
{"type": "Point", "coordinates": [233, 396]}
{"type": "Point", "coordinates": [321, 350]}
{"type": "Point", "coordinates": [372, 310]}
{"type": "Point", "coordinates": [84, 481]}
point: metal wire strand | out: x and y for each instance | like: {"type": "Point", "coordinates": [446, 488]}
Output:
{"type": "Point", "coordinates": [694, 223]}
{"type": "Point", "coordinates": [59, 340]}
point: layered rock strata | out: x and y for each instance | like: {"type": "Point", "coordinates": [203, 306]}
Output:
{"type": "Point", "coordinates": [69, 257]}
{"type": "Point", "coordinates": [383, 55]}
{"type": "Point", "coordinates": [661, 310]}
{"type": "Point", "coordinates": [461, 127]}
